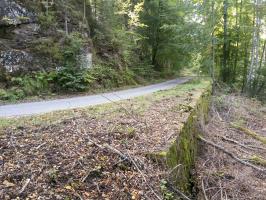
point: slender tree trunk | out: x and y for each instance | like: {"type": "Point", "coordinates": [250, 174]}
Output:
{"type": "Point", "coordinates": [213, 44]}
{"type": "Point", "coordinates": [84, 11]}
{"type": "Point", "coordinates": [157, 38]}
{"type": "Point", "coordinates": [238, 22]}
{"type": "Point", "coordinates": [95, 9]}
{"type": "Point", "coordinates": [262, 60]}
{"type": "Point", "coordinates": [65, 17]}
{"type": "Point", "coordinates": [245, 70]}
{"type": "Point", "coordinates": [225, 42]}
{"type": "Point", "coordinates": [254, 65]}
{"type": "Point", "coordinates": [66, 24]}
{"type": "Point", "coordinates": [263, 55]}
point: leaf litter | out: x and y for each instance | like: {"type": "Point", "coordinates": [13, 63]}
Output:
{"type": "Point", "coordinates": [218, 175]}
{"type": "Point", "coordinates": [94, 154]}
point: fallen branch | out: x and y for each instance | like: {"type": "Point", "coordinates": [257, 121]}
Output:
{"type": "Point", "coordinates": [257, 147]}
{"type": "Point", "coordinates": [235, 142]}
{"type": "Point", "coordinates": [217, 113]}
{"type": "Point", "coordinates": [112, 149]}
{"type": "Point", "coordinates": [231, 155]}
{"type": "Point", "coordinates": [203, 189]}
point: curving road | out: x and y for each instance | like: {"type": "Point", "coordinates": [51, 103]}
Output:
{"type": "Point", "coordinates": [41, 107]}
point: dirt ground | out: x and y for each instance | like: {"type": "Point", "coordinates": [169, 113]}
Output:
{"type": "Point", "coordinates": [219, 175]}
{"type": "Point", "coordinates": [97, 153]}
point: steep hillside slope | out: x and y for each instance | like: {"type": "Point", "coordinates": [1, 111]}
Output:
{"type": "Point", "coordinates": [32, 39]}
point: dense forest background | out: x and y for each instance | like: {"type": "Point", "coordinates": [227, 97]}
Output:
{"type": "Point", "coordinates": [130, 41]}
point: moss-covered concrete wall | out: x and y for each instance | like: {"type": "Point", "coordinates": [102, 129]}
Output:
{"type": "Point", "coordinates": [182, 153]}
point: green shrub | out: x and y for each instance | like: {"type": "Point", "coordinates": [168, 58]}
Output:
{"type": "Point", "coordinates": [36, 84]}
{"type": "Point", "coordinates": [104, 76]}
{"type": "Point", "coordinates": [145, 71]}
{"type": "Point", "coordinates": [109, 77]}
{"type": "Point", "coordinates": [167, 194]}
{"type": "Point", "coordinates": [50, 48]}
{"type": "Point", "coordinates": [47, 21]}
{"type": "Point", "coordinates": [69, 79]}
{"type": "Point", "coordinates": [72, 46]}
{"type": "Point", "coordinates": [127, 77]}
{"type": "Point", "coordinates": [11, 94]}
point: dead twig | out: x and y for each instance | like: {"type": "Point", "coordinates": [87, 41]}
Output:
{"type": "Point", "coordinates": [203, 189]}
{"type": "Point", "coordinates": [127, 111]}
{"type": "Point", "coordinates": [128, 158]}
{"type": "Point", "coordinates": [235, 142]}
{"type": "Point", "coordinates": [40, 146]}
{"type": "Point", "coordinates": [217, 113]}
{"type": "Point", "coordinates": [24, 186]}
{"type": "Point", "coordinates": [144, 178]}
{"type": "Point", "coordinates": [231, 155]}
{"type": "Point", "coordinates": [114, 150]}
{"type": "Point", "coordinates": [256, 147]}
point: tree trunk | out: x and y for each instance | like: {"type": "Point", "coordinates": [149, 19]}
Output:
{"type": "Point", "coordinates": [213, 44]}
{"type": "Point", "coordinates": [157, 38]}
{"type": "Point", "coordinates": [238, 22]}
{"type": "Point", "coordinates": [225, 43]}
{"type": "Point", "coordinates": [254, 65]}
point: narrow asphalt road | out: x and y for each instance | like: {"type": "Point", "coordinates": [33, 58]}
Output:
{"type": "Point", "coordinates": [41, 107]}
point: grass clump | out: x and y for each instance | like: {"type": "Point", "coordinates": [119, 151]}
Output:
{"type": "Point", "coordinates": [250, 133]}
{"type": "Point", "coordinates": [258, 160]}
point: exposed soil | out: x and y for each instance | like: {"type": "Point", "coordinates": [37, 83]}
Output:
{"type": "Point", "coordinates": [220, 176]}
{"type": "Point", "coordinates": [97, 155]}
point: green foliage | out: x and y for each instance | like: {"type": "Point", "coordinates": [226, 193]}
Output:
{"type": "Point", "coordinates": [108, 77]}
{"type": "Point", "coordinates": [72, 47]}
{"type": "Point", "coordinates": [35, 85]}
{"type": "Point", "coordinates": [145, 71]}
{"type": "Point", "coordinates": [32, 85]}
{"type": "Point", "coordinates": [130, 40]}
{"type": "Point", "coordinates": [69, 79]}
{"type": "Point", "coordinates": [167, 194]}
{"type": "Point", "coordinates": [47, 21]}
{"type": "Point", "coordinates": [232, 43]}
{"type": "Point", "coordinates": [10, 95]}
{"type": "Point", "coordinates": [50, 48]}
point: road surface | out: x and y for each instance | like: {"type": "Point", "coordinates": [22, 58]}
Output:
{"type": "Point", "coordinates": [34, 108]}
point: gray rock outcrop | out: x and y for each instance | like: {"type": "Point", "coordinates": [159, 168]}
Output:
{"type": "Point", "coordinates": [11, 13]}
{"type": "Point", "coordinates": [17, 29]}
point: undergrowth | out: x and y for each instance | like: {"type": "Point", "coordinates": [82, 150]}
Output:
{"type": "Point", "coordinates": [69, 79]}
{"type": "Point", "coordinates": [69, 76]}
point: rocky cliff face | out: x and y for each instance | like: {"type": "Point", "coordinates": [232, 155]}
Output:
{"type": "Point", "coordinates": [18, 29]}
{"type": "Point", "coordinates": [31, 40]}
{"type": "Point", "coordinates": [11, 13]}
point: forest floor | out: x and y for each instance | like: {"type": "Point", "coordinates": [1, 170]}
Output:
{"type": "Point", "coordinates": [237, 126]}
{"type": "Point", "coordinates": [97, 152]}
